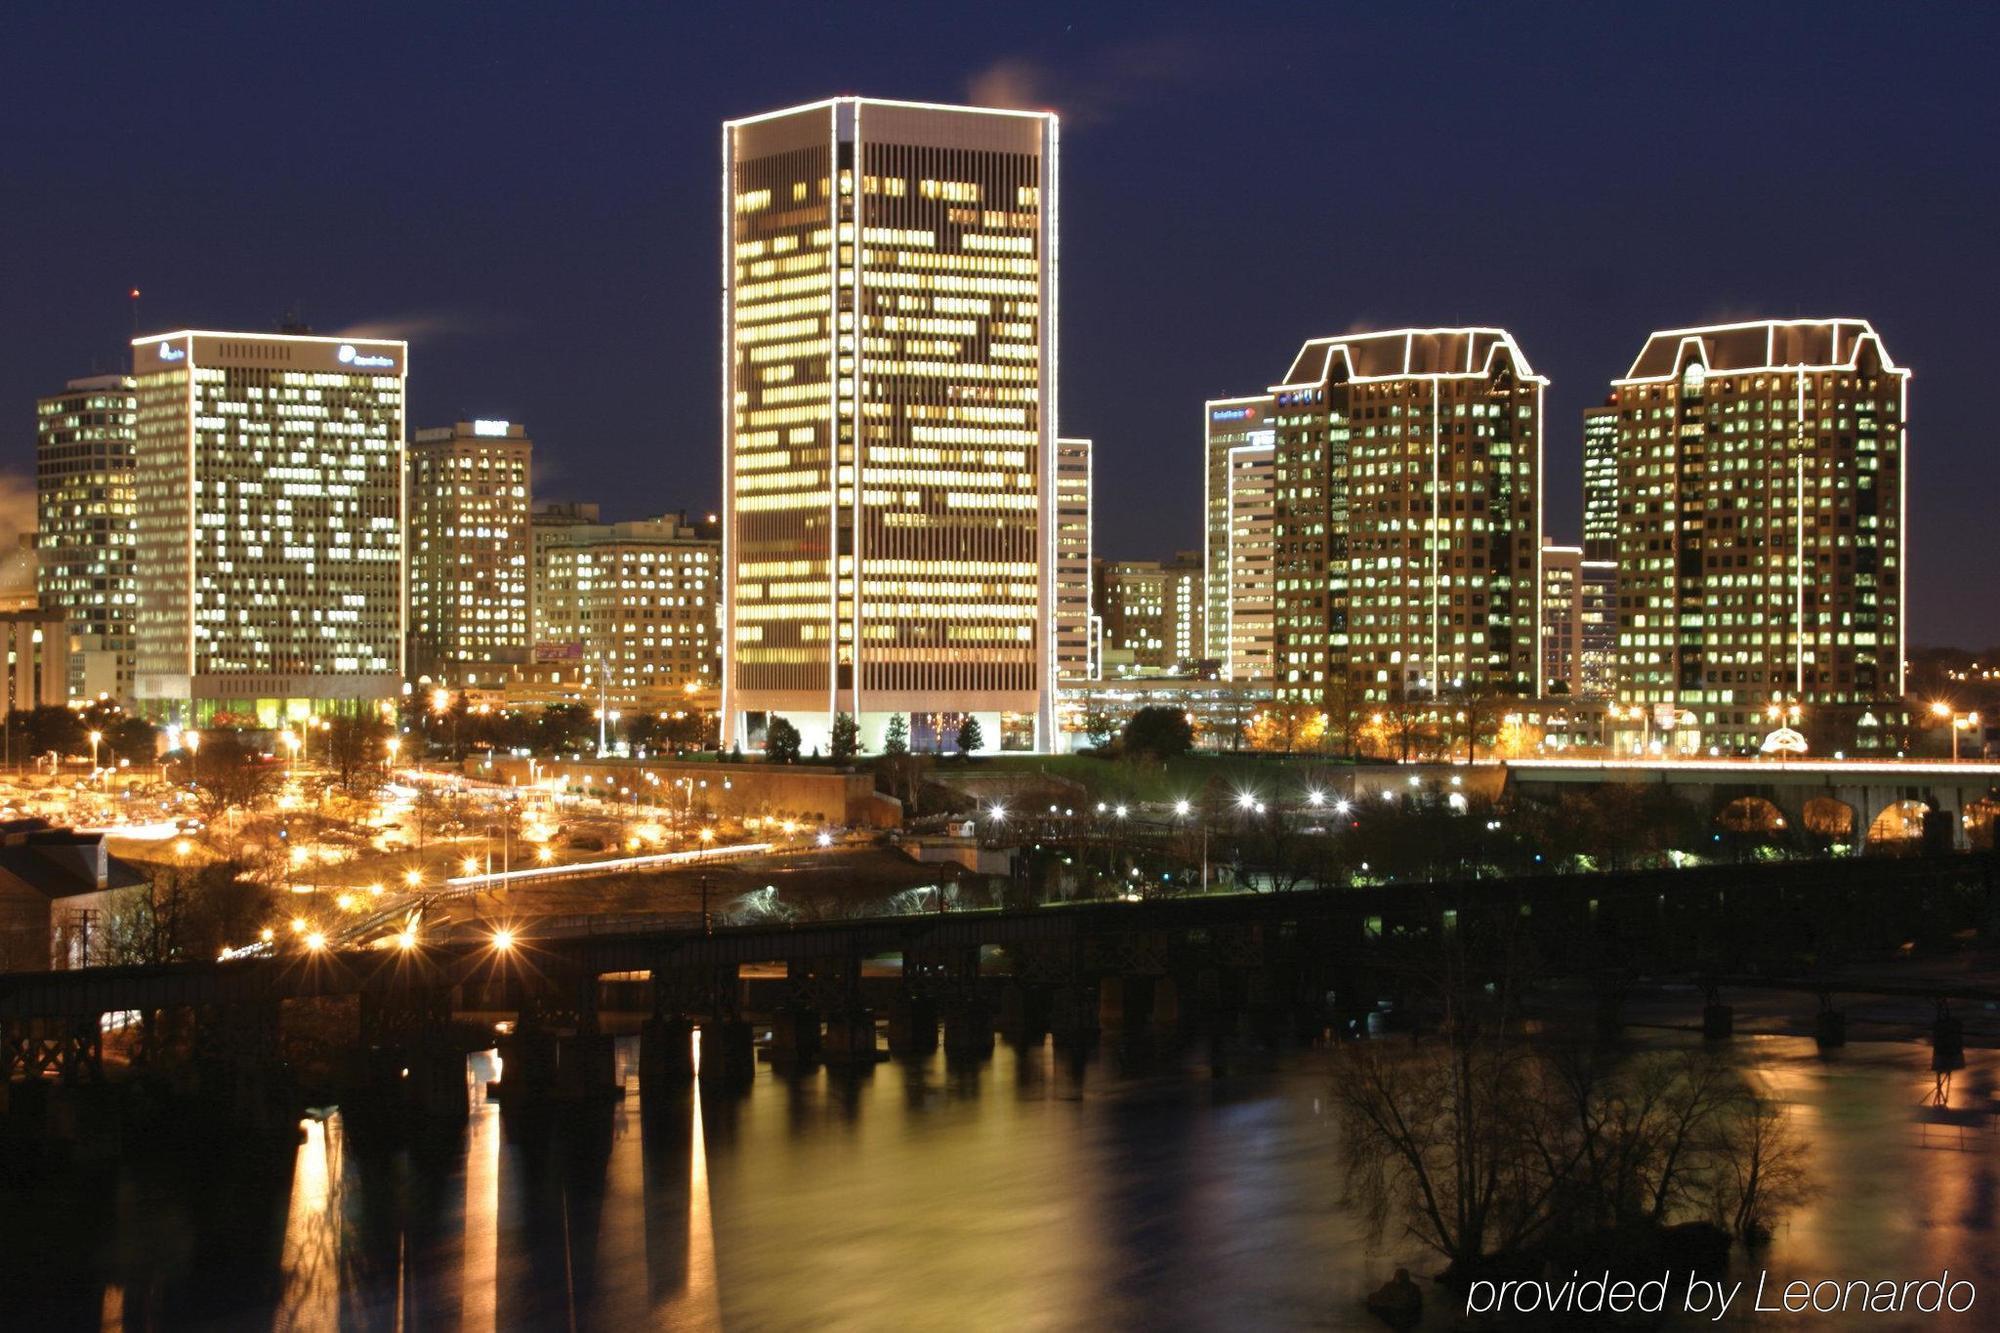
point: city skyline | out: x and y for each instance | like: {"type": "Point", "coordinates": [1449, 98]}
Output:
{"type": "Point", "coordinates": [530, 306]}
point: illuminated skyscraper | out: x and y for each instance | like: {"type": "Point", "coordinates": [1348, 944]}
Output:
{"type": "Point", "coordinates": [1600, 482]}
{"type": "Point", "coordinates": [83, 510]}
{"type": "Point", "coordinates": [889, 399]}
{"type": "Point", "coordinates": [1760, 531]}
{"type": "Point", "coordinates": [1409, 517]}
{"type": "Point", "coordinates": [470, 497]}
{"type": "Point", "coordinates": [1238, 501]}
{"type": "Point", "coordinates": [1074, 660]}
{"type": "Point", "coordinates": [269, 495]}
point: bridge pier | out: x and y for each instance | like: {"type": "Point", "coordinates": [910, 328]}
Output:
{"type": "Point", "coordinates": [587, 1068]}
{"type": "Point", "coordinates": [850, 1039]}
{"type": "Point", "coordinates": [795, 1038]}
{"type": "Point", "coordinates": [913, 1025]}
{"type": "Point", "coordinates": [1947, 1042]}
{"type": "Point", "coordinates": [968, 1028]}
{"type": "Point", "coordinates": [1024, 1016]}
{"type": "Point", "coordinates": [527, 1065]}
{"type": "Point", "coordinates": [1829, 1026]}
{"type": "Point", "coordinates": [666, 1054]}
{"type": "Point", "coordinates": [728, 1052]}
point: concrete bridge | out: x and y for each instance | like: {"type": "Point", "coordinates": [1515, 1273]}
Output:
{"type": "Point", "coordinates": [1849, 801]}
{"type": "Point", "coordinates": [1205, 968]}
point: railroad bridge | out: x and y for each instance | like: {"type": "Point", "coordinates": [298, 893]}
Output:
{"type": "Point", "coordinates": [1261, 964]}
{"type": "Point", "coordinates": [1850, 801]}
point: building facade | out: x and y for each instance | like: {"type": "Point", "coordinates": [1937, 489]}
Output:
{"type": "Point", "coordinates": [1239, 517]}
{"type": "Point", "coordinates": [84, 522]}
{"type": "Point", "coordinates": [1760, 549]}
{"type": "Point", "coordinates": [1597, 630]}
{"type": "Point", "coordinates": [470, 498]}
{"type": "Point", "coordinates": [626, 613]}
{"type": "Point", "coordinates": [1600, 482]}
{"type": "Point", "coordinates": [37, 645]}
{"type": "Point", "coordinates": [1562, 617]}
{"type": "Point", "coordinates": [1075, 659]}
{"type": "Point", "coordinates": [1152, 614]}
{"type": "Point", "coordinates": [889, 311]}
{"type": "Point", "coordinates": [268, 491]}
{"type": "Point", "coordinates": [1408, 473]}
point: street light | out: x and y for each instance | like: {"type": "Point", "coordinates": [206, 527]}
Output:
{"type": "Point", "coordinates": [1957, 721]}
{"type": "Point", "coordinates": [95, 738]}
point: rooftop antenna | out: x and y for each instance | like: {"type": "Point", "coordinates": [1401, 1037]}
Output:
{"type": "Point", "coordinates": [133, 297]}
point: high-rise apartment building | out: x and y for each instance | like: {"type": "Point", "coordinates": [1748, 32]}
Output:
{"type": "Point", "coordinates": [1408, 516]}
{"type": "Point", "coordinates": [470, 497]}
{"type": "Point", "coordinates": [1600, 482]}
{"type": "Point", "coordinates": [1562, 617]}
{"type": "Point", "coordinates": [1760, 547]}
{"type": "Point", "coordinates": [268, 488]}
{"type": "Point", "coordinates": [1074, 660]}
{"type": "Point", "coordinates": [629, 606]}
{"type": "Point", "coordinates": [84, 538]}
{"type": "Point", "coordinates": [1239, 507]}
{"type": "Point", "coordinates": [889, 404]}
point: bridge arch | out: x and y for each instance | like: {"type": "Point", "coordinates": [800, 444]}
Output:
{"type": "Point", "coordinates": [1829, 818]}
{"type": "Point", "coordinates": [1752, 814]}
{"type": "Point", "coordinates": [1899, 825]}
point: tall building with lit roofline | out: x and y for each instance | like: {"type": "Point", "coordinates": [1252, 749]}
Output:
{"type": "Point", "coordinates": [471, 495]}
{"type": "Point", "coordinates": [1761, 511]}
{"type": "Point", "coordinates": [1409, 517]}
{"type": "Point", "coordinates": [889, 407]}
{"type": "Point", "coordinates": [268, 488]}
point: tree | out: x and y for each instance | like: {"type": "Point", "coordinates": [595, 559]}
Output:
{"type": "Point", "coordinates": [1283, 728]}
{"type": "Point", "coordinates": [970, 737]}
{"type": "Point", "coordinates": [133, 739]}
{"type": "Point", "coordinates": [642, 731]}
{"type": "Point", "coordinates": [1099, 727]}
{"type": "Point", "coordinates": [1158, 733]}
{"type": "Point", "coordinates": [846, 738]}
{"type": "Point", "coordinates": [781, 742]}
{"type": "Point", "coordinates": [39, 730]}
{"type": "Point", "coordinates": [228, 774]}
{"type": "Point", "coordinates": [354, 749]}
{"type": "Point", "coordinates": [185, 913]}
{"type": "Point", "coordinates": [896, 740]}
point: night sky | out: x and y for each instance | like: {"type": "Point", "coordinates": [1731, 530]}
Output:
{"type": "Point", "coordinates": [529, 193]}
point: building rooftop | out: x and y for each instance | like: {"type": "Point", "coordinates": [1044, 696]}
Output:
{"type": "Point", "coordinates": [1764, 344]}
{"type": "Point", "coordinates": [1404, 354]}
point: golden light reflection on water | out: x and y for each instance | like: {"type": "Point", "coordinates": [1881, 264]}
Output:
{"type": "Point", "coordinates": [1021, 1191]}
{"type": "Point", "coordinates": [312, 1249]}
{"type": "Point", "coordinates": [480, 1259]}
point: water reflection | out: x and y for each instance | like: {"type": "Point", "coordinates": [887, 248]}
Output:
{"type": "Point", "coordinates": [1023, 1190]}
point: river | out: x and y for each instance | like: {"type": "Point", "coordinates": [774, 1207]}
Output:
{"type": "Point", "coordinates": [1015, 1193]}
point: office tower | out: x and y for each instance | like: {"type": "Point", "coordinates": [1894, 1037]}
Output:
{"type": "Point", "coordinates": [1600, 482]}
{"type": "Point", "coordinates": [1597, 630]}
{"type": "Point", "coordinates": [1073, 581]}
{"type": "Point", "coordinates": [889, 335]}
{"type": "Point", "coordinates": [83, 513]}
{"type": "Point", "coordinates": [1562, 617]}
{"type": "Point", "coordinates": [629, 608]}
{"type": "Point", "coordinates": [268, 487]}
{"type": "Point", "coordinates": [1152, 614]}
{"type": "Point", "coordinates": [469, 502]}
{"type": "Point", "coordinates": [1408, 517]}
{"type": "Point", "coordinates": [1239, 495]}
{"type": "Point", "coordinates": [1760, 532]}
